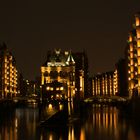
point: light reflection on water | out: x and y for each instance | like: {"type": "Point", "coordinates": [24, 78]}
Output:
{"type": "Point", "coordinates": [97, 122]}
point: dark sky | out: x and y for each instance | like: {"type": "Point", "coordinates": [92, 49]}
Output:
{"type": "Point", "coordinates": [100, 27]}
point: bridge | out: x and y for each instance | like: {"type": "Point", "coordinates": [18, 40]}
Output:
{"type": "Point", "coordinates": [107, 99]}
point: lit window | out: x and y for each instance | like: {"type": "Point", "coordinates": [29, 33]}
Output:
{"type": "Point", "coordinates": [131, 55]}
{"type": "Point", "coordinates": [131, 68]}
{"type": "Point", "coordinates": [61, 88]}
{"type": "Point", "coordinates": [138, 43]}
{"type": "Point", "coordinates": [136, 64]}
{"type": "Point", "coordinates": [137, 21]}
{"type": "Point", "coordinates": [130, 38]}
{"type": "Point", "coordinates": [48, 88]}
{"type": "Point", "coordinates": [131, 62]}
{"type": "Point", "coordinates": [138, 33]}
{"type": "Point", "coordinates": [132, 75]}
{"type": "Point", "coordinates": [57, 88]}
{"type": "Point", "coordinates": [131, 48]}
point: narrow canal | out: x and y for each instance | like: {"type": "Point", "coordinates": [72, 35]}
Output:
{"type": "Point", "coordinates": [95, 122]}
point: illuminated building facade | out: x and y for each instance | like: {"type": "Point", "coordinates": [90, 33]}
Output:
{"type": "Point", "coordinates": [133, 58]}
{"type": "Point", "coordinates": [8, 73]}
{"type": "Point", "coordinates": [105, 84]}
{"type": "Point", "coordinates": [58, 75]}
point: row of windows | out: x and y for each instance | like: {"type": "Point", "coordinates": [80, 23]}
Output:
{"type": "Point", "coordinates": [56, 74]}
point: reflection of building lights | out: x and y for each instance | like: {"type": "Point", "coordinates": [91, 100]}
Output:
{"type": "Point", "coordinates": [69, 134]}
{"type": "Point", "coordinates": [16, 123]}
{"type": "Point", "coordinates": [15, 100]}
{"type": "Point", "coordinates": [52, 89]}
{"type": "Point", "coordinates": [82, 134]}
{"type": "Point", "coordinates": [61, 107]}
{"type": "Point", "coordinates": [50, 106]}
{"type": "Point", "coordinates": [57, 95]}
{"type": "Point", "coordinates": [41, 137]}
{"type": "Point", "coordinates": [51, 137]}
{"type": "Point", "coordinates": [52, 96]}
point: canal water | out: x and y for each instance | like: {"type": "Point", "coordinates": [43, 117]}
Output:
{"type": "Point", "coordinates": [95, 122]}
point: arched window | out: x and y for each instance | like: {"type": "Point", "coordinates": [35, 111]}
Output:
{"type": "Point", "coordinates": [63, 74]}
{"type": "Point", "coordinates": [46, 74]}
{"type": "Point", "coordinates": [53, 74]}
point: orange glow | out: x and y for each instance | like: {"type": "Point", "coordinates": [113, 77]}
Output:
{"type": "Point", "coordinates": [51, 137]}
{"type": "Point", "coordinates": [132, 75]}
{"type": "Point", "coordinates": [138, 43]}
{"type": "Point", "coordinates": [131, 55]}
{"type": "Point", "coordinates": [110, 120]}
{"type": "Point", "coordinates": [50, 106]}
{"type": "Point", "coordinates": [138, 60]}
{"type": "Point", "coordinates": [136, 64]}
{"type": "Point", "coordinates": [137, 21]}
{"type": "Point", "coordinates": [131, 62]}
{"type": "Point", "coordinates": [131, 85]}
{"type": "Point", "coordinates": [61, 107]}
{"type": "Point", "coordinates": [71, 133]}
{"type": "Point", "coordinates": [106, 120]}
{"type": "Point", "coordinates": [48, 88]}
{"type": "Point", "coordinates": [130, 38]}
{"type": "Point", "coordinates": [61, 88]}
{"type": "Point", "coordinates": [81, 83]}
{"type": "Point", "coordinates": [82, 134]}
{"type": "Point", "coordinates": [131, 68]}
{"type": "Point", "coordinates": [51, 88]}
{"type": "Point", "coordinates": [115, 120]}
{"type": "Point", "coordinates": [138, 70]}
{"type": "Point", "coordinates": [138, 33]}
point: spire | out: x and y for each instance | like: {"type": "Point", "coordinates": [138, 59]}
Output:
{"type": "Point", "coordinates": [70, 59]}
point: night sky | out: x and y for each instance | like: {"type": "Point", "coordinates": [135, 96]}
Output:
{"type": "Point", "coordinates": [100, 27]}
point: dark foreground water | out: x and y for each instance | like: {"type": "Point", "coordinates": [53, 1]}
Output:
{"type": "Point", "coordinates": [97, 123]}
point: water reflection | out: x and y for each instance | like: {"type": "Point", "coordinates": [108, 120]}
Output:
{"type": "Point", "coordinates": [20, 124]}
{"type": "Point", "coordinates": [97, 122]}
{"type": "Point", "coordinates": [8, 130]}
{"type": "Point", "coordinates": [105, 119]}
{"type": "Point", "coordinates": [102, 123]}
